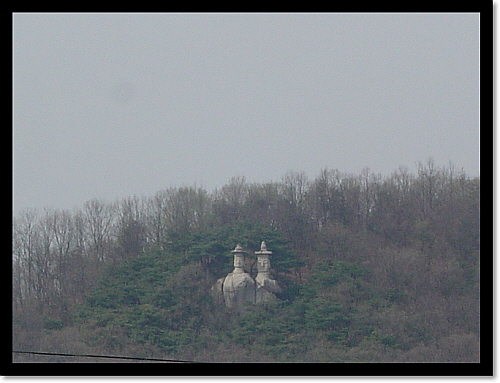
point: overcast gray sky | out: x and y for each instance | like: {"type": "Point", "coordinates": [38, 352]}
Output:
{"type": "Point", "coordinates": [114, 105]}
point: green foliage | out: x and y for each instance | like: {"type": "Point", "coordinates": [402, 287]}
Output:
{"type": "Point", "coordinates": [53, 324]}
{"type": "Point", "coordinates": [162, 298]}
{"type": "Point", "coordinates": [330, 272]}
{"type": "Point", "coordinates": [213, 246]}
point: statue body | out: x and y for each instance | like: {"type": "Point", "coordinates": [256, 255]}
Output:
{"type": "Point", "coordinates": [238, 288]}
{"type": "Point", "coordinates": [266, 286]}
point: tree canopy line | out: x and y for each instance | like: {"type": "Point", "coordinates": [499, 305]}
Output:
{"type": "Point", "coordinates": [373, 268]}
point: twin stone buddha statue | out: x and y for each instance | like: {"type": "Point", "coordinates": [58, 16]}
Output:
{"type": "Point", "coordinates": [238, 288]}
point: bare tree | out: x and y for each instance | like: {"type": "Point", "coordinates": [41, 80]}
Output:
{"type": "Point", "coordinates": [81, 261]}
{"type": "Point", "coordinates": [350, 191]}
{"type": "Point", "coordinates": [229, 202]}
{"type": "Point", "coordinates": [369, 183]}
{"type": "Point", "coordinates": [262, 204]}
{"type": "Point", "coordinates": [63, 273]}
{"type": "Point", "coordinates": [100, 219]}
{"type": "Point", "coordinates": [428, 179]}
{"type": "Point", "coordinates": [155, 208]}
{"type": "Point", "coordinates": [186, 208]}
{"type": "Point", "coordinates": [25, 243]}
{"type": "Point", "coordinates": [293, 217]}
{"type": "Point", "coordinates": [131, 228]}
{"type": "Point", "coordinates": [294, 188]}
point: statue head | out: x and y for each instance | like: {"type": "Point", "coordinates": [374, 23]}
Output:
{"type": "Point", "coordinates": [239, 260]}
{"type": "Point", "coordinates": [263, 264]}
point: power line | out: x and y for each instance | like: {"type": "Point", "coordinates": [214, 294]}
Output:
{"type": "Point", "coordinates": [103, 356]}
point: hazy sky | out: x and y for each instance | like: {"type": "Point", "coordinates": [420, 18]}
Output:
{"type": "Point", "coordinates": [114, 105]}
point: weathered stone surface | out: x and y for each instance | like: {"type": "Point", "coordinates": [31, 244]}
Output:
{"type": "Point", "coordinates": [266, 286]}
{"type": "Point", "coordinates": [238, 288]}
{"type": "Point", "coordinates": [216, 291]}
{"type": "Point", "coordinates": [267, 283]}
{"type": "Point", "coordinates": [264, 295]}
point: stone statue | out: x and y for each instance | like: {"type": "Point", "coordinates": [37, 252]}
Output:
{"type": "Point", "coordinates": [266, 287]}
{"type": "Point", "coordinates": [238, 287]}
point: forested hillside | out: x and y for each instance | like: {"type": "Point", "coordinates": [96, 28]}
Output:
{"type": "Point", "coordinates": [373, 268]}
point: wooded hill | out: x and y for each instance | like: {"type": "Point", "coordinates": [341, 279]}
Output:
{"type": "Point", "coordinates": [372, 268]}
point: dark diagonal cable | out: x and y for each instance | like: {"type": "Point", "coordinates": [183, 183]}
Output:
{"type": "Point", "coordinates": [103, 356]}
